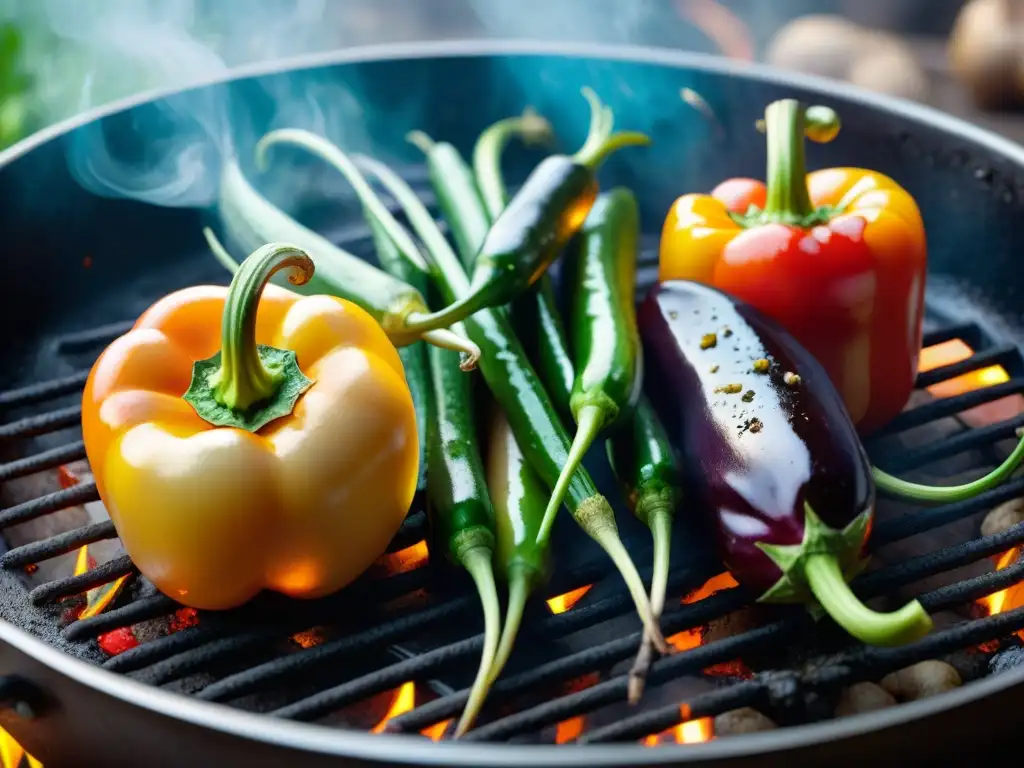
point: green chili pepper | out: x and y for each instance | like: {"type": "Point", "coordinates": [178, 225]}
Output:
{"type": "Point", "coordinates": [522, 397]}
{"type": "Point", "coordinates": [645, 465]}
{"type": "Point", "coordinates": [252, 221]}
{"type": "Point", "coordinates": [457, 195]}
{"type": "Point", "coordinates": [535, 313]}
{"type": "Point", "coordinates": [545, 213]}
{"type": "Point", "coordinates": [519, 498]}
{"type": "Point", "coordinates": [461, 514]}
{"type": "Point", "coordinates": [606, 343]}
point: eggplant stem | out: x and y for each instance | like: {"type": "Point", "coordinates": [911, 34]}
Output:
{"type": "Point", "coordinates": [589, 421]}
{"type": "Point", "coordinates": [333, 156]}
{"type": "Point", "coordinates": [518, 591]}
{"type": "Point", "coordinates": [825, 578]}
{"type": "Point", "coordinates": [487, 152]}
{"type": "Point", "coordinates": [947, 494]}
{"type": "Point", "coordinates": [477, 561]}
{"type": "Point", "coordinates": [660, 520]}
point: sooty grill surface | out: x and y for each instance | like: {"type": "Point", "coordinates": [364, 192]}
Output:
{"type": "Point", "coordinates": [340, 660]}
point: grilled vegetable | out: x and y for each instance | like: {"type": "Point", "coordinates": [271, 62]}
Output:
{"type": "Point", "coordinates": [645, 465]}
{"type": "Point", "coordinates": [545, 213]}
{"type": "Point", "coordinates": [605, 340]}
{"type": "Point", "coordinates": [837, 257]}
{"type": "Point", "coordinates": [257, 478]}
{"type": "Point", "coordinates": [773, 454]}
{"type": "Point", "coordinates": [520, 394]}
{"type": "Point", "coordinates": [461, 513]}
{"type": "Point", "coordinates": [535, 313]}
{"type": "Point", "coordinates": [251, 220]}
{"type": "Point", "coordinates": [520, 498]}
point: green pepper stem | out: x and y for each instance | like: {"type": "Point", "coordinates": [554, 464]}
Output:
{"type": "Point", "coordinates": [589, 421]}
{"type": "Point", "coordinates": [597, 520]}
{"type": "Point", "coordinates": [220, 253]}
{"type": "Point", "coordinates": [243, 379]}
{"type": "Point", "coordinates": [826, 581]}
{"type": "Point", "coordinates": [477, 561]}
{"type": "Point", "coordinates": [518, 592]}
{"type": "Point", "coordinates": [454, 339]}
{"type": "Point", "coordinates": [659, 518]}
{"type": "Point", "coordinates": [948, 494]}
{"type": "Point", "coordinates": [787, 122]}
{"type": "Point", "coordinates": [531, 127]}
{"type": "Point", "coordinates": [601, 142]}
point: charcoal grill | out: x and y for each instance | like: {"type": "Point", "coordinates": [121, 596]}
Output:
{"type": "Point", "coordinates": [242, 686]}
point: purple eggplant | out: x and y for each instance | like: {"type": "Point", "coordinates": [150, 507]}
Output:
{"type": "Point", "coordinates": [771, 453]}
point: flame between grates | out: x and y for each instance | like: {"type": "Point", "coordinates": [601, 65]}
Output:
{"type": "Point", "coordinates": [252, 657]}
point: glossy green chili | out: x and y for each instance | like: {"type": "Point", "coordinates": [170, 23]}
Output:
{"type": "Point", "coordinates": [461, 514]}
{"type": "Point", "coordinates": [522, 397]}
{"type": "Point", "coordinates": [520, 498]}
{"type": "Point", "coordinates": [645, 465]}
{"type": "Point", "coordinates": [601, 272]}
{"type": "Point", "coordinates": [251, 221]}
{"type": "Point", "coordinates": [535, 314]}
{"type": "Point", "coordinates": [545, 213]}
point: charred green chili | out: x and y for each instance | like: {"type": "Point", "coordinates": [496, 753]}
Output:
{"type": "Point", "coordinates": [535, 313]}
{"type": "Point", "coordinates": [252, 221]}
{"type": "Point", "coordinates": [602, 319]}
{"type": "Point", "coordinates": [645, 465]}
{"type": "Point", "coordinates": [461, 514]}
{"type": "Point", "coordinates": [520, 498]}
{"type": "Point", "coordinates": [545, 213]}
{"type": "Point", "coordinates": [522, 397]}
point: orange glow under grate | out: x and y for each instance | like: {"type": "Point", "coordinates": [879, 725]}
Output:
{"type": "Point", "coordinates": [563, 603]}
{"type": "Point", "coordinates": [1010, 598]}
{"type": "Point", "coordinates": [690, 732]}
{"type": "Point", "coordinates": [404, 701]}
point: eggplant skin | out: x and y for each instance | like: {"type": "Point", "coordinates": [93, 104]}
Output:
{"type": "Point", "coordinates": [757, 442]}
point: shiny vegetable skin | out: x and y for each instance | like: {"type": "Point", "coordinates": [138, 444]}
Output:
{"type": "Point", "coordinates": [772, 454]}
{"type": "Point", "coordinates": [462, 518]}
{"type": "Point", "coordinates": [549, 208]}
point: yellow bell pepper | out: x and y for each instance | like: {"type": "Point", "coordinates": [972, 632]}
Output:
{"type": "Point", "coordinates": [283, 458]}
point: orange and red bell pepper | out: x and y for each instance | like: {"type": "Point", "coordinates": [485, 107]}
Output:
{"type": "Point", "coordinates": [837, 257]}
{"type": "Point", "coordinates": [249, 438]}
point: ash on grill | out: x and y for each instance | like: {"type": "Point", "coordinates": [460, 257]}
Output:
{"type": "Point", "coordinates": [391, 652]}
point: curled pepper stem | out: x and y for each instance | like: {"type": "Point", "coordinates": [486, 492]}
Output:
{"type": "Point", "coordinates": [477, 561]}
{"type": "Point", "coordinates": [518, 591]}
{"type": "Point", "coordinates": [826, 581]}
{"type": "Point", "coordinates": [601, 142]}
{"type": "Point", "coordinates": [948, 494]}
{"type": "Point", "coordinates": [243, 378]}
{"type": "Point", "coordinates": [786, 123]}
{"type": "Point", "coordinates": [530, 127]}
{"type": "Point", "coordinates": [659, 518]}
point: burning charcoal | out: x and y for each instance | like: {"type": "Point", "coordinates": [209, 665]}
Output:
{"type": "Point", "coordinates": [744, 720]}
{"type": "Point", "coordinates": [1003, 517]}
{"type": "Point", "coordinates": [922, 680]}
{"type": "Point", "coordinates": [863, 697]}
{"type": "Point", "coordinates": [1005, 660]}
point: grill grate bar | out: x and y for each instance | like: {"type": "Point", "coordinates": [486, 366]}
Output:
{"type": "Point", "coordinates": [413, 530]}
{"type": "Point", "coordinates": [969, 332]}
{"type": "Point", "coordinates": [1002, 354]}
{"type": "Point", "coordinates": [566, 668]}
{"type": "Point", "coordinates": [104, 573]}
{"type": "Point", "coordinates": [969, 440]}
{"type": "Point", "coordinates": [950, 406]}
{"type": "Point", "coordinates": [32, 426]}
{"type": "Point", "coordinates": [82, 493]}
{"type": "Point", "coordinates": [45, 390]}
{"type": "Point", "coordinates": [142, 609]}
{"type": "Point", "coordinates": [84, 340]}
{"type": "Point", "coordinates": [58, 545]}
{"type": "Point", "coordinates": [46, 460]}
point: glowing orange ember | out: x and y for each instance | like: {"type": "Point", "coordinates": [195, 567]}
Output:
{"type": "Point", "coordinates": [955, 351]}
{"type": "Point", "coordinates": [12, 753]}
{"type": "Point", "coordinates": [691, 638]}
{"type": "Point", "coordinates": [404, 701]}
{"type": "Point", "coordinates": [308, 638]}
{"type": "Point", "coordinates": [408, 559]}
{"type": "Point", "coordinates": [1010, 598]}
{"type": "Point", "coordinates": [688, 732]}
{"type": "Point", "coordinates": [569, 730]}
{"type": "Point", "coordinates": [436, 731]}
{"type": "Point", "coordinates": [562, 603]}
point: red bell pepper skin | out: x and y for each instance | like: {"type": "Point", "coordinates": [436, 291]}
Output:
{"type": "Point", "coordinates": [838, 257]}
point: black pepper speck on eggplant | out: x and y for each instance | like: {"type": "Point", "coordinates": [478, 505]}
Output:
{"type": "Point", "coordinates": [783, 472]}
